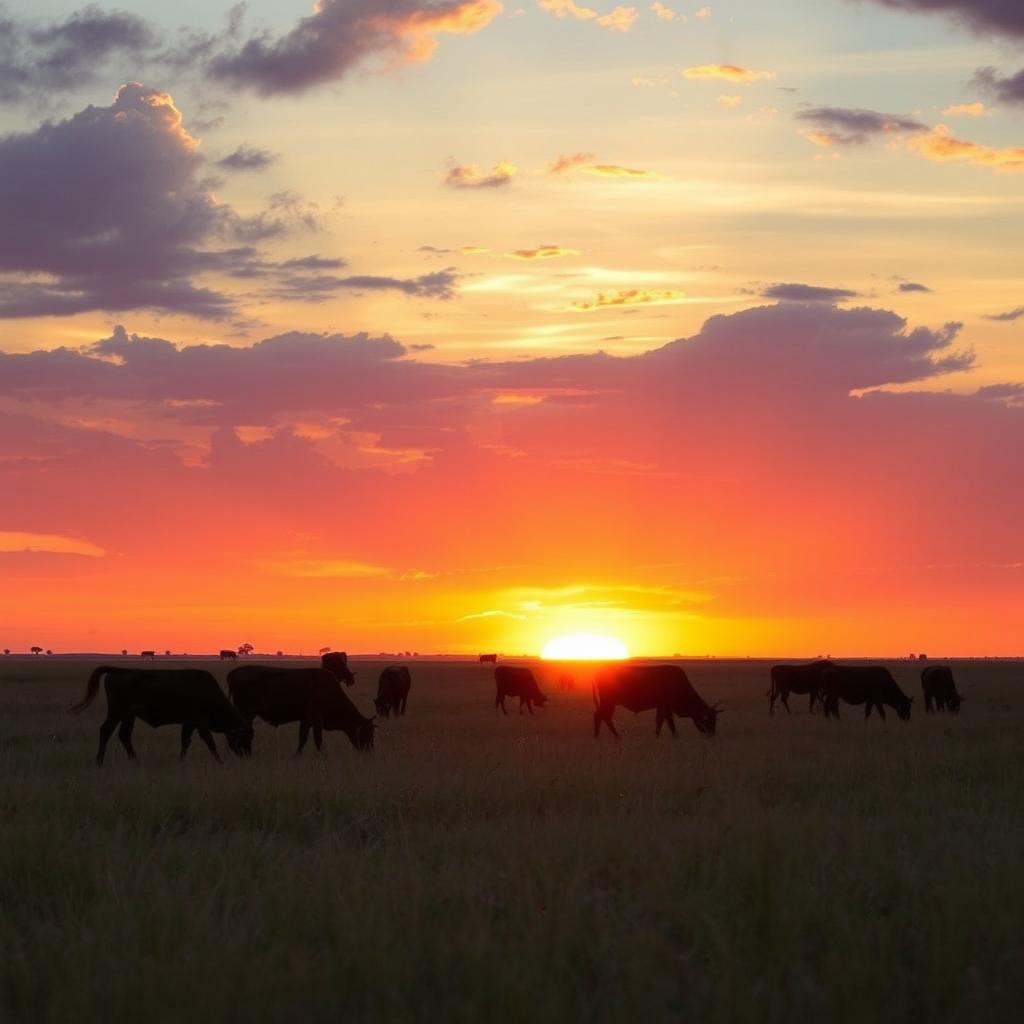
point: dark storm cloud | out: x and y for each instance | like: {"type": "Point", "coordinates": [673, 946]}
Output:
{"type": "Point", "coordinates": [1007, 90]}
{"type": "Point", "coordinates": [247, 158]}
{"type": "Point", "coordinates": [1006, 318]}
{"type": "Point", "coordinates": [844, 126]}
{"type": "Point", "coordinates": [1004, 17]}
{"type": "Point", "coordinates": [806, 293]}
{"type": "Point", "coordinates": [340, 35]}
{"type": "Point", "coordinates": [39, 59]}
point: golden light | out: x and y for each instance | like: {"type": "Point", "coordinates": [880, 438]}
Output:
{"type": "Point", "coordinates": [584, 647]}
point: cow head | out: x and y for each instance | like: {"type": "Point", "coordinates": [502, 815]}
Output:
{"type": "Point", "coordinates": [382, 706]}
{"type": "Point", "coordinates": [240, 739]}
{"type": "Point", "coordinates": [954, 703]}
{"type": "Point", "coordinates": [707, 719]}
{"type": "Point", "coordinates": [539, 699]}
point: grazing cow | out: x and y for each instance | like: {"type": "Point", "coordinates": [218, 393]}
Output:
{"type": "Point", "coordinates": [190, 698]}
{"type": "Point", "coordinates": [513, 681]}
{"type": "Point", "coordinates": [787, 679]}
{"type": "Point", "coordinates": [313, 697]}
{"type": "Point", "coordinates": [488, 658]}
{"type": "Point", "coordinates": [393, 691]}
{"type": "Point", "coordinates": [336, 663]}
{"type": "Point", "coordinates": [939, 689]}
{"type": "Point", "coordinates": [227, 655]}
{"type": "Point", "coordinates": [148, 655]}
{"type": "Point", "coordinates": [870, 685]}
{"type": "Point", "coordinates": [662, 688]}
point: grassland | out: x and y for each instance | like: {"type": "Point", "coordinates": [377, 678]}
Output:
{"type": "Point", "coordinates": [511, 869]}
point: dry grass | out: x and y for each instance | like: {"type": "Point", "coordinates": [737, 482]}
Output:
{"type": "Point", "coordinates": [479, 867]}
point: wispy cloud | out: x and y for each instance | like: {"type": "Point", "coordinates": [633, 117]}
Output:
{"type": "Point", "coordinates": [940, 144]}
{"type": "Point", "coordinates": [542, 252]}
{"type": "Point", "coordinates": [14, 541]}
{"type": "Point", "coordinates": [471, 176]}
{"type": "Point", "coordinates": [628, 297]}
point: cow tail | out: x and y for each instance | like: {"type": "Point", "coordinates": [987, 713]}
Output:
{"type": "Point", "coordinates": [91, 688]}
{"type": "Point", "coordinates": [593, 691]}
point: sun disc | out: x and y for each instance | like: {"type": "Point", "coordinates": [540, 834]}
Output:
{"type": "Point", "coordinates": [584, 647]}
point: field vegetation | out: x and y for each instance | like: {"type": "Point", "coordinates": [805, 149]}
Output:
{"type": "Point", "coordinates": [477, 867]}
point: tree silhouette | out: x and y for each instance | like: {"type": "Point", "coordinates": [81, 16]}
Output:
{"type": "Point", "coordinates": [7, 650]}
{"type": "Point", "coordinates": [36, 650]}
{"type": "Point", "coordinates": [246, 649]}
{"type": "Point", "coordinates": [124, 651]}
{"type": "Point", "coordinates": [49, 651]}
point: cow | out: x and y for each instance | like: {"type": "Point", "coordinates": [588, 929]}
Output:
{"type": "Point", "coordinates": [393, 691]}
{"type": "Point", "coordinates": [939, 688]}
{"type": "Point", "coordinates": [190, 698]}
{"type": "Point", "coordinates": [336, 662]}
{"type": "Point", "coordinates": [566, 683]}
{"type": "Point", "coordinates": [513, 681]}
{"type": "Point", "coordinates": [313, 697]}
{"type": "Point", "coordinates": [787, 679]}
{"type": "Point", "coordinates": [661, 688]}
{"type": "Point", "coordinates": [488, 659]}
{"type": "Point", "coordinates": [870, 685]}
{"type": "Point", "coordinates": [148, 655]}
{"type": "Point", "coordinates": [227, 655]}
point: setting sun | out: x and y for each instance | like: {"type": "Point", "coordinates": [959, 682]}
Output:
{"type": "Point", "coordinates": [584, 647]}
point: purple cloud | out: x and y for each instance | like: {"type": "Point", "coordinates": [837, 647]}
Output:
{"type": "Point", "coordinates": [1010, 316]}
{"type": "Point", "coordinates": [806, 293]}
{"type": "Point", "coordinates": [844, 126]}
{"type": "Point", "coordinates": [247, 158]}
{"type": "Point", "coordinates": [1004, 17]}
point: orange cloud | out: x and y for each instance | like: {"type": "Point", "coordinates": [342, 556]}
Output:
{"type": "Point", "coordinates": [628, 297]}
{"type": "Point", "coordinates": [471, 176]}
{"type": "Point", "coordinates": [663, 12]}
{"type": "Point", "coordinates": [14, 541]}
{"type": "Point", "coordinates": [619, 20]}
{"type": "Point", "coordinates": [561, 164]}
{"type": "Point", "coordinates": [542, 252]}
{"type": "Point", "coordinates": [966, 110]}
{"type": "Point", "coordinates": [420, 26]}
{"type": "Point", "coordinates": [726, 72]}
{"type": "Point", "coordinates": [940, 144]}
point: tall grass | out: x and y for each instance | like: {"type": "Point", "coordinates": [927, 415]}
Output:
{"type": "Point", "coordinates": [509, 869]}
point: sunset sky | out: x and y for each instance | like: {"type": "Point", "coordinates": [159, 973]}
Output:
{"type": "Point", "coordinates": [455, 325]}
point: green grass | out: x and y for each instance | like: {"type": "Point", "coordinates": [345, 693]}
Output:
{"type": "Point", "coordinates": [510, 869]}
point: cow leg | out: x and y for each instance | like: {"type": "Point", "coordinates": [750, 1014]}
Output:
{"type": "Point", "coordinates": [318, 736]}
{"type": "Point", "coordinates": [124, 734]}
{"type": "Point", "coordinates": [106, 731]}
{"type": "Point", "coordinates": [867, 710]}
{"type": "Point", "coordinates": [671, 723]}
{"type": "Point", "coordinates": [186, 739]}
{"type": "Point", "coordinates": [810, 706]}
{"type": "Point", "coordinates": [529, 706]}
{"type": "Point", "coordinates": [659, 719]}
{"type": "Point", "coordinates": [772, 694]}
{"type": "Point", "coordinates": [499, 702]}
{"type": "Point", "coordinates": [881, 712]}
{"type": "Point", "coordinates": [785, 702]}
{"type": "Point", "coordinates": [303, 736]}
{"type": "Point", "coordinates": [207, 737]}
{"type": "Point", "coordinates": [927, 703]}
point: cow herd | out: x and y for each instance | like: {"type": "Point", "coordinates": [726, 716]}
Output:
{"type": "Point", "coordinates": [315, 698]}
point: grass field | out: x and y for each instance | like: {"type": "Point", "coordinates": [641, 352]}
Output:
{"type": "Point", "coordinates": [476, 867]}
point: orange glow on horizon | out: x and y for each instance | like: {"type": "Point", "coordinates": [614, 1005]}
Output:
{"type": "Point", "coordinates": [584, 647]}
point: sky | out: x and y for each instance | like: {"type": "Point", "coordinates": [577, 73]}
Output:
{"type": "Point", "coordinates": [458, 325]}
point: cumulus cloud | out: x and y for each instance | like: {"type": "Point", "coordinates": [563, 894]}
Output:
{"type": "Point", "coordinates": [725, 72]}
{"type": "Point", "coordinates": [663, 12]}
{"type": "Point", "coordinates": [806, 293]}
{"type": "Point", "coordinates": [247, 158]}
{"type": "Point", "coordinates": [40, 59]}
{"type": "Point", "coordinates": [842, 126]}
{"type": "Point", "coordinates": [470, 176]}
{"type": "Point", "coordinates": [940, 144]}
{"type": "Point", "coordinates": [341, 35]}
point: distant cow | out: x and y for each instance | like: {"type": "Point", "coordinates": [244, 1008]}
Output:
{"type": "Point", "coordinates": [939, 688]}
{"type": "Point", "coordinates": [870, 685]}
{"type": "Point", "coordinates": [336, 663]}
{"type": "Point", "coordinates": [393, 691]}
{"type": "Point", "coordinates": [227, 655]}
{"type": "Point", "coordinates": [190, 698]}
{"type": "Point", "coordinates": [566, 683]}
{"type": "Point", "coordinates": [513, 681]}
{"type": "Point", "coordinates": [148, 655]}
{"type": "Point", "coordinates": [661, 688]}
{"type": "Point", "coordinates": [488, 658]}
{"type": "Point", "coordinates": [787, 679]}
{"type": "Point", "coordinates": [313, 697]}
